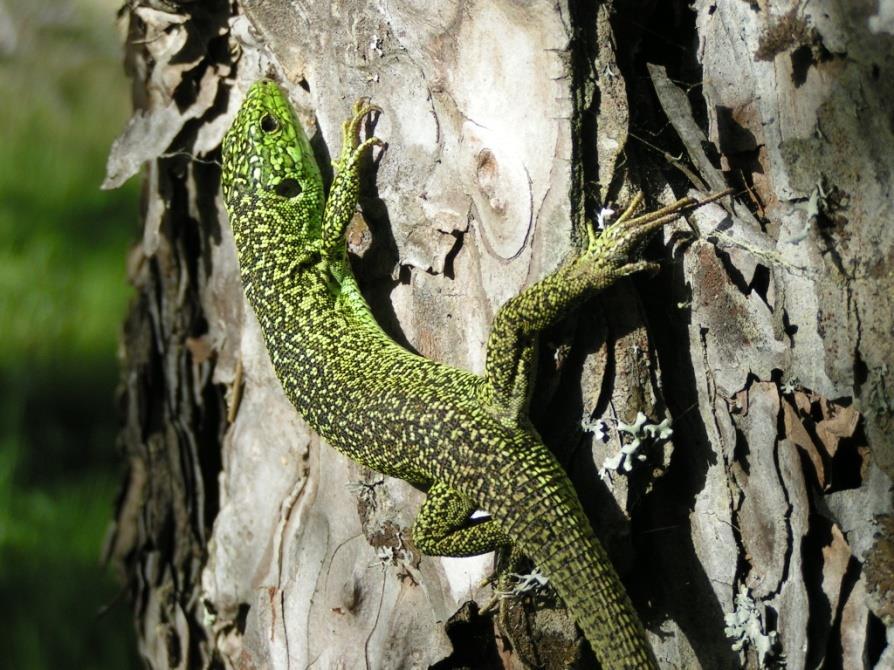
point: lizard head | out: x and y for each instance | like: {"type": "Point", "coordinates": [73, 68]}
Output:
{"type": "Point", "coordinates": [269, 168]}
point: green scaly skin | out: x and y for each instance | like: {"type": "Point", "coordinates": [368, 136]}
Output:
{"type": "Point", "coordinates": [464, 436]}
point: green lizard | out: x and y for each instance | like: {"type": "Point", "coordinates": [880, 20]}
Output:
{"type": "Point", "coordinates": [464, 437]}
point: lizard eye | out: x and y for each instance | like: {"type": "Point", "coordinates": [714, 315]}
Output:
{"type": "Point", "coordinates": [288, 188]}
{"type": "Point", "coordinates": [269, 123]}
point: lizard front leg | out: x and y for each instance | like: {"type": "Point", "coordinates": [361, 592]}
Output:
{"type": "Point", "coordinates": [511, 347]}
{"type": "Point", "coordinates": [342, 200]}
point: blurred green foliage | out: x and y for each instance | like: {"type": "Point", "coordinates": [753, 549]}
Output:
{"type": "Point", "coordinates": [63, 293]}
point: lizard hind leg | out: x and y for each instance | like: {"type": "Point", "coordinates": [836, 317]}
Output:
{"type": "Point", "coordinates": [511, 346]}
{"type": "Point", "coordinates": [445, 527]}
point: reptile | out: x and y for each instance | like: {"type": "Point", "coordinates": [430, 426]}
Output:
{"type": "Point", "coordinates": [463, 437]}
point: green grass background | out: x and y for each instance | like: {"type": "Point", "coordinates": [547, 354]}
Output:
{"type": "Point", "coordinates": [63, 294]}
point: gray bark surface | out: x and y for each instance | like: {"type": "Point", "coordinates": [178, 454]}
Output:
{"type": "Point", "coordinates": [761, 529]}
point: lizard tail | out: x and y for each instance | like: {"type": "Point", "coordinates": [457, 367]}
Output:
{"type": "Point", "coordinates": [544, 517]}
{"type": "Point", "coordinates": [587, 581]}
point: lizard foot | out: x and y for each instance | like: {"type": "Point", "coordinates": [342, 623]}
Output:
{"type": "Point", "coordinates": [508, 581]}
{"type": "Point", "coordinates": [350, 131]}
{"type": "Point", "coordinates": [622, 240]}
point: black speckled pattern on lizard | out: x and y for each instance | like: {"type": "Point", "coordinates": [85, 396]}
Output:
{"type": "Point", "coordinates": [464, 436]}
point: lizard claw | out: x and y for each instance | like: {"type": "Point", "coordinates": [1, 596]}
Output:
{"type": "Point", "coordinates": [365, 106]}
{"type": "Point", "coordinates": [350, 130]}
{"type": "Point", "coordinates": [351, 146]}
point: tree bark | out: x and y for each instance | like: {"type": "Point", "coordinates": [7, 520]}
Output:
{"type": "Point", "coordinates": [760, 529]}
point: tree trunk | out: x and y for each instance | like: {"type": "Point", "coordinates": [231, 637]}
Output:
{"type": "Point", "coordinates": [766, 339]}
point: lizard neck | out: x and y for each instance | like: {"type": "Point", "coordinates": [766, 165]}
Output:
{"type": "Point", "coordinates": [292, 282]}
{"type": "Point", "coordinates": [271, 236]}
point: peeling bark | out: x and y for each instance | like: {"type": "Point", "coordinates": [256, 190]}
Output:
{"type": "Point", "coordinates": [767, 338]}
